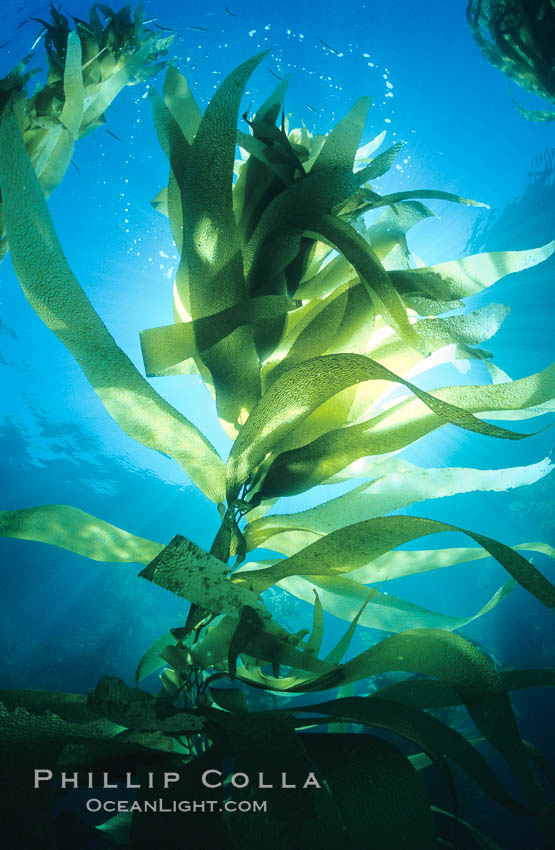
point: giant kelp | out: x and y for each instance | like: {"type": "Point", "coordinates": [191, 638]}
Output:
{"type": "Point", "coordinates": [300, 305]}
{"type": "Point", "coordinates": [517, 37]}
{"type": "Point", "coordinates": [87, 69]}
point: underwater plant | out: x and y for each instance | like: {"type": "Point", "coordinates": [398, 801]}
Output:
{"type": "Point", "coordinates": [87, 69]}
{"type": "Point", "coordinates": [308, 322]}
{"type": "Point", "coordinates": [517, 36]}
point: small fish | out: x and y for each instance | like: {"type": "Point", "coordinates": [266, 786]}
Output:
{"type": "Point", "coordinates": [312, 109]}
{"type": "Point", "coordinates": [330, 48]}
{"type": "Point", "coordinates": [229, 12]}
{"type": "Point", "coordinates": [37, 39]}
{"type": "Point", "coordinates": [76, 167]}
{"type": "Point", "coordinates": [113, 134]}
{"type": "Point", "coordinates": [273, 73]}
{"type": "Point", "coordinates": [197, 29]}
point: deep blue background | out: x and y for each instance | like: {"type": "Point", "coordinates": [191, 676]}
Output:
{"type": "Point", "coordinates": [66, 620]}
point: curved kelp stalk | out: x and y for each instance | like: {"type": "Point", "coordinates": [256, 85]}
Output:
{"type": "Point", "coordinates": [87, 68]}
{"type": "Point", "coordinates": [300, 305]}
{"type": "Point", "coordinates": [517, 37]}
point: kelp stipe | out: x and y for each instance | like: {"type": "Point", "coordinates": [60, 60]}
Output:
{"type": "Point", "coordinates": [301, 317]}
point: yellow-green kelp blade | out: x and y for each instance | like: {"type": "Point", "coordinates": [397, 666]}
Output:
{"type": "Point", "coordinates": [78, 532]}
{"type": "Point", "coordinates": [343, 598]}
{"type": "Point", "coordinates": [74, 92]}
{"type": "Point", "coordinates": [299, 469]}
{"type": "Point", "coordinates": [57, 297]}
{"type": "Point", "coordinates": [397, 484]}
{"type": "Point", "coordinates": [166, 346]}
{"type": "Point", "coordinates": [301, 390]}
{"type": "Point", "coordinates": [355, 545]}
{"type": "Point", "coordinates": [210, 276]}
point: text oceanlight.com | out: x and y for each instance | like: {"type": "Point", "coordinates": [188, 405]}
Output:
{"type": "Point", "coordinates": [175, 806]}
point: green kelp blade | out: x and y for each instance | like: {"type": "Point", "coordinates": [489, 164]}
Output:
{"type": "Point", "coordinates": [78, 532]}
{"type": "Point", "coordinates": [185, 569]}
{"type": "Point", "coordinates": [316, 636]}
{"type": "Point", "coordinates": [377, 791]}
{"type": "Point", "coordinates": [405, 563]}
{"type": "Point", "coordinates": [74, 92]}
{"type": "Point", "coordinates": [304, 388]}
{"type": "Point", "coordinates": [310, 337]}
{"type": "Point", "coordinates": [483, 842]}
{"type": "Point", "coordinates": [57, 297]}
{"type": "Point", "coordinates": [453, 660]}
{"type": "Point", "coordinates": [338, 652]}
{"type": "Point", "coordinates": [118, 827]}
{"type": "Point", "coordinates": [436, 738]}
{"type": "Point", "coordinates": [372, 274]}
{"type": "Point", "coordinates": [341, 145]}
{"type": "Point", "coordinates": [343, 598]}
{"type": "Point", "coordinates": [166, 346]}
{"type": "Point", "coordinates": [180, 101]}
{"type": "Point", "coordinates": [417, 194]}
{"type": "Point", "coordinates": [101, 95]}
{"type": "Point", "coordinates": [390, 230]}
{"type": "Point", "coordinates": [211, 259]}
{"type": "Point", "coordinates": [461, 278]}
{"type": "Point", "coordinates": [152, 660]}
{"type": "Point", "coordinates": [430, 693]}
{"type": "Point", "coordinates": [401, 424]}
{"type": "Point", "coordinates": [355, 545]}
{"type": "Point", "coordinates": [396, 484]}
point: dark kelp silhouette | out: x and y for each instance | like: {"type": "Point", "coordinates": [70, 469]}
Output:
{"type": "Point", "coordinates": [517, 36]}
{"type": "Point", "coordinates": [300, 317]}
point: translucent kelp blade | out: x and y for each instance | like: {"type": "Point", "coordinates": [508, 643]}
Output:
{"type": "Point", "coordinates": [461, 278]}
{"type": "Point", "coordinates": [380, 165]}
{"type": "Point", "coordinates": [436, 738]}
{"type": "Point", "coordinates": [301, 390]}
{"type": "Point", "coordinates": [211, 264]}
{"type": "Point", "coordinates": [343, 598]}
{"type": "Point", "coordinates": [181, 103]}
{"type": "Point", "coordinates": [314, 641]}
{"type": "Point", "coordinates": [185, 569]}
{"type": "Point", "coordinates": [377, 791]}
{"type": "Point", "coordinates": [341, 145]}
{"type": "Point", "coordinates": [406, 563]}
{"type": "Point", "coordinates": [74, 92]}
{"type": "Point", "coordinates": [355, 545]}
{"type": "Point", "coordinates": [79, 532]}
{"type": "Point", "coordinates": [108, 89]}
{"type": "Point", "coordinates": [398, 426]}
{"type": "Point", "coordinates": [339, 651]}
{"type": "Point", "coordinates": [393, 225]}
{"type": "Point", "coordinates": [151, 660]}
{"type": "Point", "coordinates": [171, 344]}
{"type": "Point", "coordinates": [416, 194]}
{"type": "Point", "coordinates": [397, 484]}
{"type": "Point", "coordinates": [371, 272]}
{"type": "Point", "coordinates": [310, 337]}
{"type": "Point", "coordinates": [57, 297]}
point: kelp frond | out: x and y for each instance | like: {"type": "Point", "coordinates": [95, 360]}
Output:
{"type": "Point", "coordinates": [517, 36]}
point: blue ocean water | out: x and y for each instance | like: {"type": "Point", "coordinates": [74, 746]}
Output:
{"type": "Point", "coordinates": [65, 620]}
